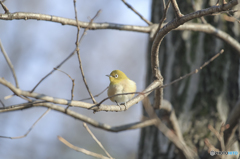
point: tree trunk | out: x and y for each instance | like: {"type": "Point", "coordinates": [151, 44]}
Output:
{"type": "Point", "coordinates": [203, 99]}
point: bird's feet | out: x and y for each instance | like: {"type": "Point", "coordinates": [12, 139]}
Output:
{"type": "Point", "coordinates": [122, 104]}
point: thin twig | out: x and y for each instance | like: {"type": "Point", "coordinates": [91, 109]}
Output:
{"type": "Point", "coordinates": [4, 7]}
{"type": "Point", "coordinates": [176, 8]}
{"type": "Point", "coordinates": [9, 63]}
{"type": "Point", "coordinates": [58, 66]}
{"type": "Point", "coordinates": [195, 71]}
{"type": "Point", "coordinates": [219, 135]}
{"type": "Point", "coordinates": [73, 84]}
{"type": "Point", "coordinates": [194, 8]}
{"type": "Point", "coordinates": [210, 146]}
{"type": "Point", "coordinates": [163, 18]}
{"type": "Point", "coordinates": [2, 103]}
{"type": "Point", "coordinates": [78, 116]}
{"type": "Point", "coordinates": [97, 141]}
{"type": "Point", "coordinates": [95, 95]}
{"type": "Point", "coordinates": [81, 149]}
{"type": "Point", "coordinates": [231, 18]}
{"type": "Point", "coordinates": [130, 7]}
{"type": "Point", "coordinates": [19, 137]}
{"type": "Point", "coordinates": [79, 58]}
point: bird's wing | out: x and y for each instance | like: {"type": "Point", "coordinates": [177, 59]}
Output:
{"type": "Point", "coordinates": [129, 86]}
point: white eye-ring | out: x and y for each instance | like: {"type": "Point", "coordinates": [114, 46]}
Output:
{"type": "Point", "coordinates": [116, 76]}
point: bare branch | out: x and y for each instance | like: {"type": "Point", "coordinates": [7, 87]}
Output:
{"type": "Point", "coordinates": [163, 18]}
{"type": "Point", "coordinates": [130, 7]}
{"type": "Point", "coordinates": [9, 63]}
{"type": "Point", "coordinates": [81, 117]}
{"type": "Point", "coordinates": [189, 154]}
{"type": "Point", "coordinates": [232, 121]}
{"type": "Point", "coordinates": [217, 134]}
{"type": "Point", "coordinates": [4, 7]}
{"type": "Point", "coordinates": [194, 8]}
{"type": "Point", "coordinates": [19, 137]}
{"type": "Point", "coordinates": [195, 71]}
{"type": "Point", "coordinates": [73, 84]}
{"type": "Point", "coordinates": [95, 95]}
{"type": "Point", "coordinates": [209, 29]}
{"type": "Point", "coordinates": [81, 149]}
{"type": "Point", "coordinates": [210, 146]}
{"type": "Point", "coordinates": [144, 29]}
{"type": "Point", "coordinates": [176, 8]}
{"type": "Point", "coordinates": [53, 70]}
{"type": "Point", "coordinates": [79, 58]}
{"type": "Point", "coordinates": [97, 141]}
{"type": "Point", "coordinates": [166, 105]}
{"type": "Point", "coordinates": [2, 103]}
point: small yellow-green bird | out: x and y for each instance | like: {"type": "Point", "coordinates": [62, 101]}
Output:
{"type": "Point", "coordinates": [120, 83]}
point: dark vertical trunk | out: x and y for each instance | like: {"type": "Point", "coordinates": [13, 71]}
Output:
{"type": "Point", "coordinates": [202, 99]}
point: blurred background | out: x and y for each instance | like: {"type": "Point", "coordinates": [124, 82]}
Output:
{"type": "Point", "coordinates": [36, 47]}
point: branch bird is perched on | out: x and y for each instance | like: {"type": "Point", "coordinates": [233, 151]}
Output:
{"type": "Point", "coordinates": [120, 83]}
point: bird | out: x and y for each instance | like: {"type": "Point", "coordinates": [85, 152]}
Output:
{"type": "Point", "coordinates": [120, 83]}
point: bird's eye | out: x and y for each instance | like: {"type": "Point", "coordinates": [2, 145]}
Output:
{"type": "Point", "coordinates": [116, 76]}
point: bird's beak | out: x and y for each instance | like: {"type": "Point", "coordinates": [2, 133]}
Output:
{"type": "Point", "coordinates": [108, 75]}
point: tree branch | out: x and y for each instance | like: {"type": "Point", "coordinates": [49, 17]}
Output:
{"type": "Point", "coordinates": [81, 117]}
{"type": "Point", "coordinates": [81, 149]}
{"type": "Point", "coordinates": [46, 98]}
{"type": "Point", "coordinates": [97, 141]}
{"type": "Point", "coordinates": [130, 7]}
{"type": "Point", "coordinates": [9, 64]}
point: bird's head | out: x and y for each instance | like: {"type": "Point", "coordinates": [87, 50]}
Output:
{"type": "Point", "coordinates": [116, 76]}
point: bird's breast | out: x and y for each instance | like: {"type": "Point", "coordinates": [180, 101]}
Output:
{"type": "Point", "coordinates": [125, 86]}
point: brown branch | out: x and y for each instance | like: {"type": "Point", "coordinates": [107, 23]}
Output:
{"type": "Point", "coordinates": [157, 74]}
{"type": "Point", "coordinates": [166, 105]}
{"type": "Point", "coordinates": [19, 137]}
{"type": "Point", "coordinates": [81, 149]}
{"type": "Point", "coordinates": [232, 121]}
{"type": "Point", "coordinates": [79, 58]}
{"type": "Point", "coordinates": [195, 71]}
{"type": "Point", "coordinates": [2, 103]}
{"type": "Point", "coordinates": [95, 95]}
{"type": "Point", "coordinates": [218, 135]}
{"type": "Point", "coordinates": [79, 103]}
{"type": "Point", "coordinates": [73, 84]}
{"type": "Point", "coordinates": [144, 29]}
{"type": "Point", "coordinates": [209, 29]}
{"type": "Point", "coordinates": [188, 153]}
{"type": "Point", "coordinates": [72, 22]}
{"type": "Point", "coordinates": [9, 63]}
{"type": "Point", "coordinates": [194, 8]}
{"type": "Point", "coordinates": [53, 70]}
{"type": "Point", "coordinates": [130, 7]}
{"type": "Point", "coordinates": [4, 7]}
{"type": "Point", "coordinates": [97, 141]}
{"type": "Point", "coordinates": [210, 146]}
{"type": "Point", "coordinates": [75, 115]}
{"type": "Point", "coordinates": [176, 9]}
{"type": "Point", "coordinates": [163, 18]}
